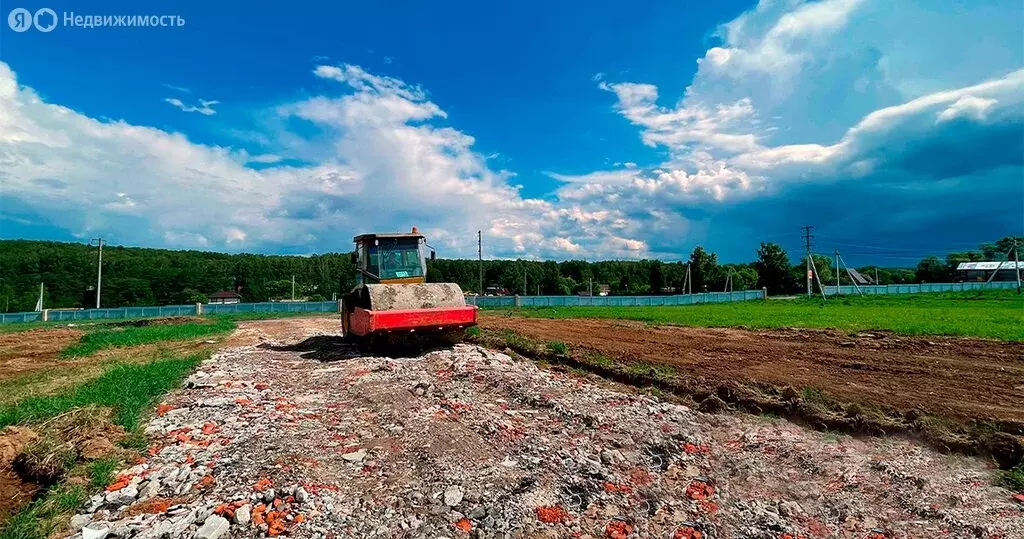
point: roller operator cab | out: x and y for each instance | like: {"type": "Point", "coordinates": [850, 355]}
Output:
{"type": "Point", "coordinates": [392, 298]}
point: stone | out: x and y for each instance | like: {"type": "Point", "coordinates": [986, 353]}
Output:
{"type": "Point", "coordinates": [96, 530]}
{"type": "Point", "coordinates": [269, 495]}
{"type": "Point", "coordinates": [214, 527]}
{"type": "Point", "coordinates": [242, 515]}
{"type": "Point", "coordinates": [790, 509]}
{"type": "Point", "coordinates": [301, 495]}
{"type": "Point", "coordinates": [149, 489]}
{"type": "Point", "coordinates": [124, 496]}
{"type": "Point", "coordinates": [711, 405]}
{"type": "Point", "coordinates": [453, 496]}
{"type": "Point", "coordinates": [95, 502]}
{"type": "Point", "coordinates": [183, 523]}
{"type": "Point", "coordinates": [356, 456]}
{"type": "Point", "coordinates": [216, 402]}
{"type": "Point", "coordinates": [80, 521]}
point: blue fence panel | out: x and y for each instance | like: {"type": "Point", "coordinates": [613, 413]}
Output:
{"type": "Point", "coordinates": [497, 302]}
{"type": "Point", "coordinates": [487, 302]}
{"type": "Point", "coordinates": [922, 288]}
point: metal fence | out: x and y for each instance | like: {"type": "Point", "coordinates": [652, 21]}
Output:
{"type": "Point", "coordinates": [171, 310]}
{"type": "Point", "coordinates": [273, 307]}
{"type": "Point", "coordinates": [922, 288]}
{"type": "Point", "coordinates": [484, 302]}
{"type": "Point", "coordinates": [494, 302]}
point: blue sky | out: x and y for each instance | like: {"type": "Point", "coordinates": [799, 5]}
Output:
{"type": "Point", "coordinates": [581, 130]}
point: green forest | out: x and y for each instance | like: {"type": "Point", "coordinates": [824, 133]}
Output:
{"type": "Point", "coordinates": [134, 276]}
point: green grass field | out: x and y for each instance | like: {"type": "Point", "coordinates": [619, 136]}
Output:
{"type": "Point", "coordinates": [127, 388]}
{"type": "Point", "coordinates": [990, 314]}
{"type": "Point", "coordinates": [117, 337]}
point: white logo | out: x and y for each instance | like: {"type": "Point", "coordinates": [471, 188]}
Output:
{"type": "Point", "coordinates": [41, 23]}
{"type": "Point", "coordinates": [21, 19]}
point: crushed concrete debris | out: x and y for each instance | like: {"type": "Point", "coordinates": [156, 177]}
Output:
{"type": "Point", "coordinates": [468, 442]}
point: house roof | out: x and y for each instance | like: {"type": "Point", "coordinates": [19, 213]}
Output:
{"type": "Point", "coordinates": [988, 265]}
{"type": "Point", "coordinates": [224, 294]}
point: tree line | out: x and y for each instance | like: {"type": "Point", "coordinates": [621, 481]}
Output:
{"type": "Point", "coordinates": [134, 276]}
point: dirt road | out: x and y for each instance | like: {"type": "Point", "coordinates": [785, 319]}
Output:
{"type": "Point", "coordinates": [951, 377]}
{"type": "Point", "coordinates": [290, 432]}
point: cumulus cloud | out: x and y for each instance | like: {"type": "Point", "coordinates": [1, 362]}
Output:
{"type": "Point", "coordinates": [384, 165]}
{"type": "Point", "coordinates": [836, 112]}
{"type": "Point", "coordinates": [799, 98]}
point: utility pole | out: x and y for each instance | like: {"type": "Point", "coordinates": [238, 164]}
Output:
{"type": "Point", "coordinates": [293, 287]}
{"type": "Point", "coordinates": [876, 276]}
{"type": "Point", "coordinates": [837, 272]}
{"type": "Point", "coordinates": [524, 279]}
{"type": "Point", "coordinates": [1016, 265]}
{"type": "Point", "coordinates": [807, 250]}
{"type": "Point", "coordinates": [99, 270]}
{"type": "Point", "coordinates": [480, 257]}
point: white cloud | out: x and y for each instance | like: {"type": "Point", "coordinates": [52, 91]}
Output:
{"type": "Point", "coordinates": [780, 49]}
{"type": "Point", "coordinates": [205, 107]}
{"type": "Point", "coordinates": [181, 89]}
{"type": "Point", "coordinates": [383, 165]}
{"type": "Point", "coordinates": [974, 108]}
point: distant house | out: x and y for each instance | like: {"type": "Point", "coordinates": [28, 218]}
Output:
{"type": "Point", "coordinates": [601, 290]}
{"type": "Point", "coordinates": [982, 271]}
{"type": "Point", "coordinates": [224, 296]}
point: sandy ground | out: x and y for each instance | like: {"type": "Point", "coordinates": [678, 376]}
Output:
{"type": "Point", "coordinates": [951, 377]}
{"type": "Point", "coordinates": [270, 438]}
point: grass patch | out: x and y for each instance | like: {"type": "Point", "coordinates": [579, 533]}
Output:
{"type": "Point", "coordinates": [126, 388]}
{"type": "Point", "coordinates": [135, 439]}
{"type": "Point", "coordinates": [599, 360]}
{"type": "Point", "coordinates": [44, 516]}
{"type": "Point", "coordinates": [1014, 479]}
{"type": "Point", "coordinates": [557, 347]}
{"type": "Point", "coordinates": [101, 472]}
{"type": "Point", "coordinates": [656, 371]}
{"type": "Point", "coordinates": [996, 314]}
{"type": "Point", "coordinates": [814, 395]}
{"type": "Point", "coordinates": [134, 336]}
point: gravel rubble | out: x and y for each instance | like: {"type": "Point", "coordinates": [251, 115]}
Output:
{"type": "Point", "coordinates": [469, 442]}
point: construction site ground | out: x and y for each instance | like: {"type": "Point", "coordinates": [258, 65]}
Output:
{"type": "Point", "coordinates": [951, 377]}
{"type": "Point", "coordinates": [286, 430]}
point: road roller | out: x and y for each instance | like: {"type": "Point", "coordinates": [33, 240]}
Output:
{"type": "Point", "coordinates": [392, 304]}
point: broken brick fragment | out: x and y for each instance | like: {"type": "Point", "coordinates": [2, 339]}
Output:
{"type": "Point", "coordinates": [618, 529]}
{"type": "Point", "coordinates": [688, 532]}
{"type": "Point", "coordinates": [551, 514]}
{"type": "Point", "coordinates": [699, 490]}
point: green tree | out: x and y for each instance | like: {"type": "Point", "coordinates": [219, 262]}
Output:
{"type": "Point", "coordinates": [931, 270]}
{"type": "Point", "coordinates": [773, 269]}
{"type": "Point", "coordinates": [702, 268]}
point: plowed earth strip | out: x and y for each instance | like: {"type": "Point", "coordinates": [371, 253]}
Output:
{"type": "Point", "coordinates": [950, 377]}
